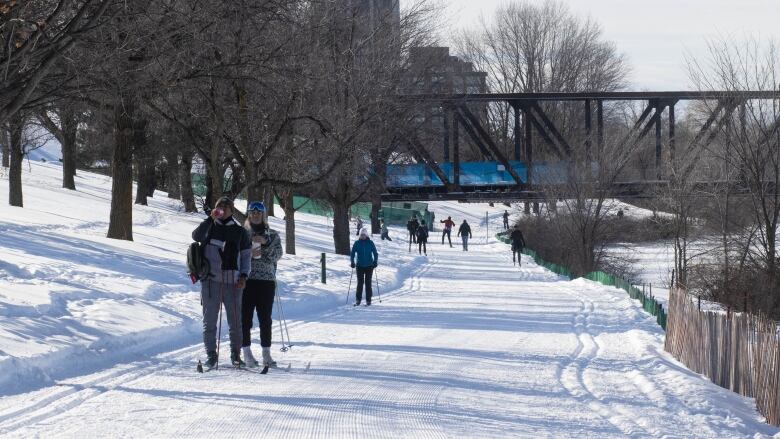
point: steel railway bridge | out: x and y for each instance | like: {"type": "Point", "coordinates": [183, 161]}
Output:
{"type": "Point", "coordinates": [521, 177]}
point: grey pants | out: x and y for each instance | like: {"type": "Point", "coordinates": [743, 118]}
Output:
{"type": "Point", "coordinates": [465, 239]}
{"type": "Point", "coordinates": [210, 292]}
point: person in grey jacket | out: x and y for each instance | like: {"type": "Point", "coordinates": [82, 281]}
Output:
{"type": "Point", "coordinates": [228, 250]}
{"type": "Point", "coordinates": [261, 286]}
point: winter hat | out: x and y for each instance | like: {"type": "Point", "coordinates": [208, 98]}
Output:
{"type": "Point", "coordinates": [224, 201]}
{"type": "Point", "coordinates": [364, 232]}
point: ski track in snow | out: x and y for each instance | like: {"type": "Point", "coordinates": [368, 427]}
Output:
{"type": "Point", "coordinates": [463, 344]}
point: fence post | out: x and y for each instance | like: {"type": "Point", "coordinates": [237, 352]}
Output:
{"type": "Point", "coordinates": [322, 261]}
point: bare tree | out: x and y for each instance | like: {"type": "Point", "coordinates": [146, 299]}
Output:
{"type": "Point", "coordinates": [62, 122]}
{"type": "Point", "coordinates": [749, 150]}
{"type": "Point", "coordinates": [531, 47]}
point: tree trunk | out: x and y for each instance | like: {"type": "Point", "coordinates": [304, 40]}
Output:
{"type": "Point", "coordinates": [5, 150]}
{"type": "Point", "coordinates": [268, 200]}
{"type": "Point", "coordinates": [341, 226]}
{"type": "Point", "coordinates": [145, 161]}
{"type": "Point", "coordinates": [376, 204]}
{"type": "Point", "coordinates": [17, 155]}
{"type": "Point", "coordinates": [69, 127]}
{"type": "Point", "coordinates": [289, 224]}
{"type": "Point", "coordinates": [216, 176]}
{"type": "Point", "coordinates": [254, 192]}
{"type": "Point", "coordinates": [172, 178]}
{"type": "Point", "coordinates": [185, 177]}
{"type": "Point", "coordinates": [121, 218]}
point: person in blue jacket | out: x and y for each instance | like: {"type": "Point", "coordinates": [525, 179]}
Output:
{"type": "Point", "coordinates": [364, 251]}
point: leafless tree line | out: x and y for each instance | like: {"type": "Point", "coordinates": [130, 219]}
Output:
{"type": "Point", "coordinates": [270, 98]}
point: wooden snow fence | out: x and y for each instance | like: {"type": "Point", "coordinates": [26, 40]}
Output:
{"type": "Point", "coordinates": [737, 351]}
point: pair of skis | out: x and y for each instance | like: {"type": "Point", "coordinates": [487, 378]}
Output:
{"type": "Point", "coordinates": [263, 371]}
{"type": "Point", "coordinates": [201, 369]}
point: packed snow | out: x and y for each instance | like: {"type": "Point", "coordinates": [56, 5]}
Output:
{"type": "Point", "coordinates": [99, 338]}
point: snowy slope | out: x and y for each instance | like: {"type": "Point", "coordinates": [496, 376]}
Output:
{"type": "Point", "coordinates": [99, 338]}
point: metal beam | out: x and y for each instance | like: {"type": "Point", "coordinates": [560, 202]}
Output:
{"type": "Point", "coordinates": [518, 141]}
{"type": "Point", "coordinates": [491, 145]}
{"type": "Point", "coordinates": [456, 151]}
{"type": "Point", "coordinates": [551, 126]}
{"type": "Point", "coordinates": [447, 113]}
{"type": "Point", "coordinates": [600, 126]}
{"type": "Point", "coordinates": [531, 120]}
{"type": "Point", "coordinates": [588, 122]}
{"type": "Point", "coordinates": [607, 96]}
{"type": "Point", "coordinates": [672, 140]}
{"type": "Point", "coordinates": [529, 145]}
{"type": "Point", "coordinates": [426, 158]}
{"type": "Point", "coordinates": [474, 137]}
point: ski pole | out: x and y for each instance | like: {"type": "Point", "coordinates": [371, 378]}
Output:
{"type": "Point", "coordinates": [281, 331]}
{"type": "Point", "coordinates": [350, 285]}
{"type": "Point", "coordinates": [234, 325]}
{"type": "Point", "coordinates": [283, 325]}
{"type": "Point", "coordinates": [378, 295]}
{"type": "Point", "coordinates": [219, 332]}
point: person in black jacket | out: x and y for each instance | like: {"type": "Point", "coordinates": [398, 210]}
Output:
{"type": "Point", "coordinates": [412, 226]}
{"type": "Point", "coordinates": [228, 249]}
{"type": "Point", "coordinates": [464, 231]}
{"type": "Point", "coordinates": [422, 238]}
{"type": "Point", "coordinates": [518, 244]}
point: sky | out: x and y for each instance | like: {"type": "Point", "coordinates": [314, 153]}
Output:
{"type": "Point", "coordinates": [654, 35]}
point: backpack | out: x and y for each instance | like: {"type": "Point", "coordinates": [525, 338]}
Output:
{"type": "Point", "coordinates": [197, 264]}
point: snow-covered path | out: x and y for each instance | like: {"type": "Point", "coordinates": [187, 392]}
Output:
{"type": "Point", "coordinates": [467, 346]}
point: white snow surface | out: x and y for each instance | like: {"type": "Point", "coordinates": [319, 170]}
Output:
{"type": "Point", "coordinates": [99, 338]}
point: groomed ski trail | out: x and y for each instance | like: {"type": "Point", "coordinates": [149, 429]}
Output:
{"type": "Point", "coordinates": [467, 346]}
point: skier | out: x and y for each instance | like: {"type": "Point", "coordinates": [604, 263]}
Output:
{"type": "Point", "coordinates": [464, 231]}
{"type": "Point", "coordinates": [518, 243]}
{"type": "Point", "coordinates": [385, 234]}
{"type": "Point", "coordinates": [448, 223]}
{"type": "Point", "coordinates": [367, 257]}
{"type": "Point", "coordinates": [261, 285]}
{"type": "Point", "coordinates": [422, 238]}
{"type": "Point", "coordinates": [228, 249]}
{"type": "Point", "coordinates": [506, 220]}
{"type": "Point", "coordinates": [412, 226]}
{"type": "Point", "coordinates": [359, 225]}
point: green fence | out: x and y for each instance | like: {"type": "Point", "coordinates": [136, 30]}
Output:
{"type": "Point", "coordinates": [649, 304]}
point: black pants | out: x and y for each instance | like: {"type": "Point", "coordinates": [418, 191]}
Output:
{"type": "Point", "coordinates": [364, 277]}
{"type": "Point", "coordinates": [258, 296]}
{"type": "Point", "coordinates": [446, 233]}
{"type": "Point", "coordinates": [519, 252]}
{"type": "Point", "coordinates": [386, 236]}
{"type": "Point", "coordinates": [413, 234]}
{"type": "Point", "coordinates": [421, 248]}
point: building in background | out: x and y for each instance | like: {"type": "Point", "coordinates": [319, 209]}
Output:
{"type": "Point", "coordinates": [432, 70]}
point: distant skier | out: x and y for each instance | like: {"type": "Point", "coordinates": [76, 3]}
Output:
{"type": "Point", "coordinates": [359, 225]}
{"type": "Point", "coordinates": [448, 224]}
{"type": "Point", "coordinates": [385, 233]}
{"type": "Point", "coordinates": [464, 231]}
{"type": "Point", "coordinates": [228, 249]}
{"type": "Point", "coordinates": [367, 257]}
{"type": "Point", "coordinates": [518, 244]}
{"type": "Point", "coordinates": [506, 220]}
{"type": "Point", "coordinates": [422, 238]}
{"type": "Point", "coordinates": [261, 286]}
{"type": "Point", "coordinates": [412, 226]}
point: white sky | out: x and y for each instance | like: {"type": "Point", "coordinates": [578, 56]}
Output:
{"type": "Point", "coordinates": [654, 34]}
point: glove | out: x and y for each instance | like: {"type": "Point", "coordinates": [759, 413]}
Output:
{"type": "Point", "coordinates": [375, 265]}
{"type": "Point", "coordinates": [352, 265]}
